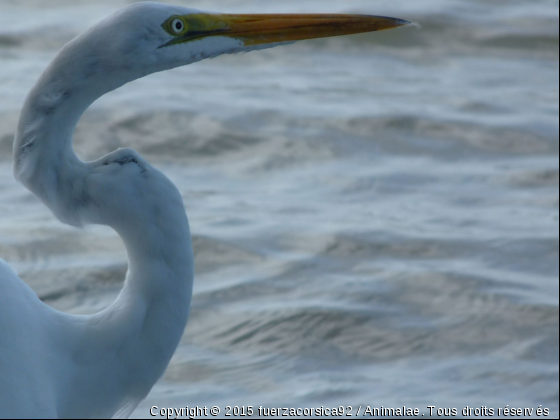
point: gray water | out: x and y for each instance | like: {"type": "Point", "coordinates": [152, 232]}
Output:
{"type": "Point", "coordinates": [375, 217]}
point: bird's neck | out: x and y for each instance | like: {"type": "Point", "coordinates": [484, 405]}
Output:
{"type": "Point", "coordinates": [44, 159]}
{"type": "Point", "coordinates": [121, 352]}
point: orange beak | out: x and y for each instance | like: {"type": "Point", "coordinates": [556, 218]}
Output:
{"type": "Point", "coordinates": [268, 29]}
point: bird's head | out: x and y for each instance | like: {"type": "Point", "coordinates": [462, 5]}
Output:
{"type": "Point", "coordinates": [149, 37]}
{"type": "Point", "coordinates": [138, 40]}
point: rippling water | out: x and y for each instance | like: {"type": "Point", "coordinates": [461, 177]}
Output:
{"type": "Point", "coordinates": [375, 217]}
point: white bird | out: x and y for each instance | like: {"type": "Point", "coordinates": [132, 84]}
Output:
{"type": "Point", "coordinates": [56, 365]}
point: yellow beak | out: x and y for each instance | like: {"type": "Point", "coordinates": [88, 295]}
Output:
{"type": "Point", "coordinates": [267, 29]}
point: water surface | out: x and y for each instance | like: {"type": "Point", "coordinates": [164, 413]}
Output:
{"type": "Point", "coordinates": [375, 217]}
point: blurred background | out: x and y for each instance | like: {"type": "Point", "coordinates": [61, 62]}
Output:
{"type": "Point", "coordinates": [375, 217]}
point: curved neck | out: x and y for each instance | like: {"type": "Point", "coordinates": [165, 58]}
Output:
{"type": "Point", "coordinates": [123, 351]}
{"type": "Point", "coordinates": [133, 340]}
{"type": "Point", "coordinates": [44, 159]}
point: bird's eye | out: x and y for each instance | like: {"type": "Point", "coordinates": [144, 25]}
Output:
{"type": "Point", "coordinates": [178, 26]}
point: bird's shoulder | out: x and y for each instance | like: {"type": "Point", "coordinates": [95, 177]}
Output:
{"type": "Point", "coordinates": [23, 392]}
{"type": "Point", "coordinates": [16, 297]}
{"type": "Point", "coordinates": [8, 277]}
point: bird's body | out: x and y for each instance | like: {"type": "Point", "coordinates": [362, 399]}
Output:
{"type": "Point", "coordinates": [55, 365]}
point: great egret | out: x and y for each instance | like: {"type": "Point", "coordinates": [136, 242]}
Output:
{"type": "Point", "coordinates": [57, 365]}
